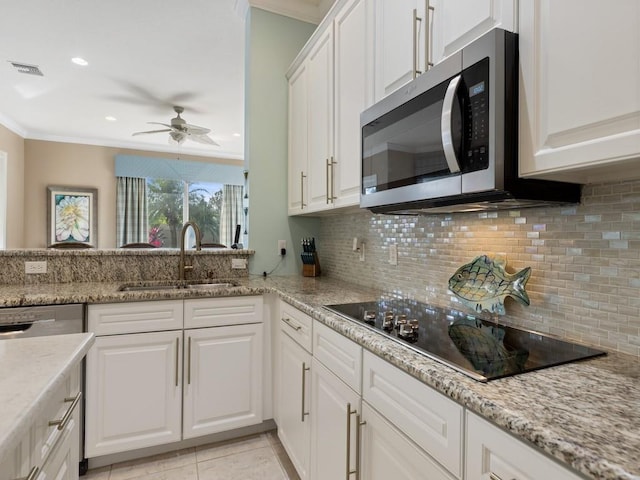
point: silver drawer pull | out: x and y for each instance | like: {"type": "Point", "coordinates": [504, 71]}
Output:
{"type": "Point", "coordinates": [291, 324]}
{"type": "Point", "coordinates": [67, 415]}
{"type": "Point", "coordinates": [493, 476]}
{"type": "Point", "coordinates": [33, 473]}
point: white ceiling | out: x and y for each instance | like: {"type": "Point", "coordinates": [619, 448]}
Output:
{"type": "Point", "coordinates": [144, 57]}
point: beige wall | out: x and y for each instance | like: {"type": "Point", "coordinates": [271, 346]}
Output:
{"type": "Point", "coordinates": [13, 145]}
{"type": "Point", "coordinates": [68, 164]}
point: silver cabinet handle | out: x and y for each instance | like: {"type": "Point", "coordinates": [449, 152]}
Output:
{"type": "Point", "coordinates": [33, 474]}
{"type": "Point", "coordinates": [290, 323]}
{"type": "Point", "coordinates": [359, 423]}
{"type": "Point", "coordinates": [333, 164]}
{"type": "Point", "coordinates": [305, 369]}
{"type": "Point", "coordinates": [177, 359]}
{"type": "Point", "coordinates": [327, 172]}
{"type": "Point", "coordinates": [427, 34]}
{"type": "Point", "coordinates": [416, 19]}
{"type": "Point", "coordinates": [67, 415]}
{"type": "Point", "coordinates": [355, 470]}
{"type": "Point", "coordinates": [189, 363]}
{"type": "Point", "coordinates": [302, 177]}
{"type": "Point", "coordinates": [445, 125]}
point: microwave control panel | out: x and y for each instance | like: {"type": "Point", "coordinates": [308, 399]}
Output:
{"type": "Point", "coordinates": [475, 98]}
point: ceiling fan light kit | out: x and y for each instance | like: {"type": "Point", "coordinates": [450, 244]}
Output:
{"type": "Point", "coordinates": [179, 130]}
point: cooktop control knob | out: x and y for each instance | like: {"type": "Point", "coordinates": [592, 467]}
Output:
{"type": "Point", "coordinates": [370, 317]}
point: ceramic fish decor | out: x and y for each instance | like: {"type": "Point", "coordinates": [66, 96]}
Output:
{"type": "Point", "coordinates": [484, 284]}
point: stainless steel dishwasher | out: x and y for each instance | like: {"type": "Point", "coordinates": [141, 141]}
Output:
{"type": "Point", "coordinates": [43, 320]}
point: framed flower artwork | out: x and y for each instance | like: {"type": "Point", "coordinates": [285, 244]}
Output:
{"type": "Point", "coordinates": [71, 216]}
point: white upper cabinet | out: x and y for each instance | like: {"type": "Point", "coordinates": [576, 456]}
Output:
{"type": "Point", "coordinates": [398, 43]}
{"type": "Point", "coordinates": [320, 81]}
{"type": "Point", "coordinates": [580, 90]}
{"type": "Point", "coordinates": [329, 86]}
{"type": "Point", "coordinates": [410, 36]}
{"type": "Point", "coordinates": [457, 23]}
{"type": "Point", "coordinates": [353, 94]}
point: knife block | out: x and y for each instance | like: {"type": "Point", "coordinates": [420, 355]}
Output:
{"type": "Point", "coordinates": [312, 269]}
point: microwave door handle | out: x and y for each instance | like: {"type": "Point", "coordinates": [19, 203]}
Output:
{"type": "Point", "coordinates": [447, 138]}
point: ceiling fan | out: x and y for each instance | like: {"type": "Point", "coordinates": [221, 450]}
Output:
{"type": "Point", "coordinates": [179, 130]}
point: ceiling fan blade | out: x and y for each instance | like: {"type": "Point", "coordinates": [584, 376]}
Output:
{"type": "Point", "coordinates": [195, 130]}
{"type": "Point", "coordinates": [152, 131]}
{"type": "Point", "coordinates": [163, 124]}
{"type": "Point", "coordinates": [202, 139]}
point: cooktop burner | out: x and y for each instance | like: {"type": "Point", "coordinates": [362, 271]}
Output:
{"type": "Point", "coordinates": [478, 348]}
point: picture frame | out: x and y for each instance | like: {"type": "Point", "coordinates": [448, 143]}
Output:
{"type": "Point", "coordinates": [72, 216]}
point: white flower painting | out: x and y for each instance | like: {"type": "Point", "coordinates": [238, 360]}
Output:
{"type": "Point", "coordinates": [72, 216]}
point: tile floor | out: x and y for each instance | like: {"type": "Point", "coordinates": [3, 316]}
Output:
{"type": "Point", "coordinates": [257, 457]}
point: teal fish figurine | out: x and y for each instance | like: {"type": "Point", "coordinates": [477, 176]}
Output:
{"type": "Point", "coordinates": [484, 284]}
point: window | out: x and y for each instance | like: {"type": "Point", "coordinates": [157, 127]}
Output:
{"type": "Point", "coordinates": [156, 196]}
{"type": "Point", "coordinates": [173, 202]}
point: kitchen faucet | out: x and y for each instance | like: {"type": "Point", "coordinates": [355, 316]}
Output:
{"type": "Point", "coordinates": [183, 267]}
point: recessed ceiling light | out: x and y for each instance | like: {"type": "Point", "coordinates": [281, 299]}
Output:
{"type": "Point", "coordinates": [109, 118]}
{"type": "Point", "coordinates": [236, 135]}
{"type": "Point", "coordinates": [80, 61]}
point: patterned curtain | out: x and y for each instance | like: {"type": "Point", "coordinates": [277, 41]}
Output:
{"type": "Point", "coordinates": [131, 211]}
{"type": "Point", "coordinates": [231, 213]}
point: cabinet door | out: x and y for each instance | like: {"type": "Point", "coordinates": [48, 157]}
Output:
{"type": "Point", "coordinates": [298, 141]}
{"type": "Point", "coordinates": [433, 421]}
{"type": "Point", "coordinates": [134, 392]}
{"type": "Point", "coordinates": [63, 462]}
{"type": "Point", "coordinates": [223, 380]}
{"type": "Point", "coordinates": [394, 47]}
{"type": "Point", "coordinates": [293, 403]}
{"type": "Point", "coordinates": [579, 90]}
{"type": "Point", "coordinates": [457, 23]}
{"type": "Point", "coordinates": [386, 453]}
{"type": "Point", "coordinates": [335, 409]}
{"type": "Point", "coordinates": [492, 453]}
{"type": "Point", "coordinates": [352, 95]}
{"type": "Point", "coordinates": [320, 81]}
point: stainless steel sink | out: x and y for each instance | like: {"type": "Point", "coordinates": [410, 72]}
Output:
{"type": "Point", "coordinates": [177, 285]}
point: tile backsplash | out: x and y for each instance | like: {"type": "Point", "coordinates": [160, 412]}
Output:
{"type": "Point", "coordinates": [585, 260]}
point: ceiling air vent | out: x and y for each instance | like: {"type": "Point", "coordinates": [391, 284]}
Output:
{"type": "Point", "coordinates": [26, 68]}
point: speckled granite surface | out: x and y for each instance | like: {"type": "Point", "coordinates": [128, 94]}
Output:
{"type": "Point", "coordinates": [585, 414]}
{"type": "Point", "coordinates": [32, 370]}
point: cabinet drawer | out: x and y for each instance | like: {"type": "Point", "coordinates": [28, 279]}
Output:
{"type": "Point", "coordinates": [491, 451]}
{"type": "Point", "coordinates": [296, 324]}
{"type": "Point", "coordinates": [60, 409]}
{"type": "Point", "coordinates": [218, 312]}
{"type": "Point", "coordinates": [339, 354]}
{"type": "Point", "coordinates": [429, 418]}
{"type": "Point", "coordinates": [134, 317]}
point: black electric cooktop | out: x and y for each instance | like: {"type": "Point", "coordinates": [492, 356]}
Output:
{"type": "Point", "coordinates": [476, 347]}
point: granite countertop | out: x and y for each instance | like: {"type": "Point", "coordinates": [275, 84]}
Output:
{"type": "Point", "coordinates": [32, 370]}
{"type": "Point", "coordinates": [585, 414]}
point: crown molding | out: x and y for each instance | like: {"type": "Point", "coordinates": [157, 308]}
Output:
{"type": "Point", "coordinates": [13, 126]}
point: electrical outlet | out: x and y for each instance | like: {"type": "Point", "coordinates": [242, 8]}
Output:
{"type": "Point", "coordinates": [393, 254]}
{"type": "Point", "coordinates": [238, 263]}
{"type": "Point", "coordinates": [282, 245]}
{"type": "Point", "coordinates": [35, 267]}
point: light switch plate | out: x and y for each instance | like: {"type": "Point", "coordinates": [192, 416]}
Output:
{"type": "Point", "coordinates": [393, 254]}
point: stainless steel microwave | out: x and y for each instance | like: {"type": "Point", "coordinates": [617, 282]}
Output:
{"type": "Point", "coordinates": [448, 140]}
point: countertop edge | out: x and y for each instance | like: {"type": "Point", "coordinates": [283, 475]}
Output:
{"type": "Point", "coordinates": [22, 422]}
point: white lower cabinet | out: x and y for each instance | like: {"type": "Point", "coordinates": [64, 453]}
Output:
{"type": "Point", "coordinates": [493, 453]}
{"type": "Point", "coordinates": [223, 381]}
{"type": "Point", "coordinates": [134, 392]}
{"type": "Point", "coordinates": [335, 415]}
{"type": "Point", "coordinates": [157, 387]}
{"type": "Point", "coordinates": [387, 453]}
{"type": "Point", "coordinates": [293, 402]}
{"type": "Point", "coordinates": [431, 420]}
